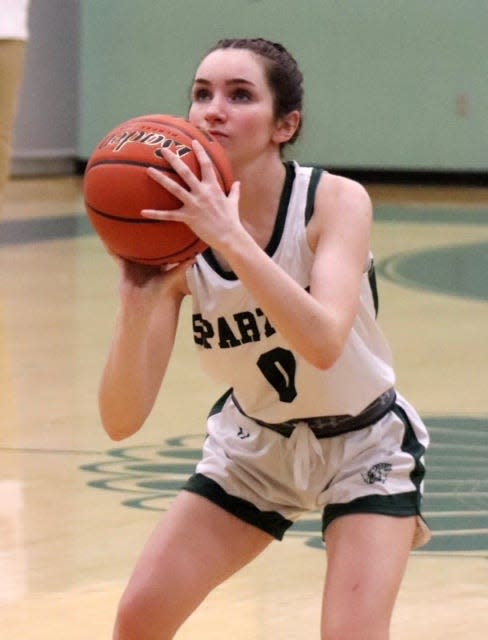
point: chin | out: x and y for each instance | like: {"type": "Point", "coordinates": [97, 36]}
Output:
{"type": "Point", "coordinates": [223, 140]}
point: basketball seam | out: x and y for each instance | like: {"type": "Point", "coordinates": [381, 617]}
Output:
{"type": "Point", "coordinates": [133, 163]}
{"type": "Point", "coordinates": [111, 216]}
{"type": "Point", "coordinates": [167, 256]}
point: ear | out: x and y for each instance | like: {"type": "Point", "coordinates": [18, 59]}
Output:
{"type": "Point", "coordinates": [286, 126]}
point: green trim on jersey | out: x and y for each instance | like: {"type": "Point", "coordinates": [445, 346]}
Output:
{"type": "Point", "coordinates": [282, 210]}
{"type": "Point", "coordinates": [277, 230]}
{"type": "Point", "coordinates": [217, 407]}
{"type": "Point", "coordinates": [312, 189]}
{"type": "Point", "coordinates": [374, 287]}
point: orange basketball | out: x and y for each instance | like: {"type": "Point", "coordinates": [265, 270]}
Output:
{"type": "Point", "coordinates": [116, 187]}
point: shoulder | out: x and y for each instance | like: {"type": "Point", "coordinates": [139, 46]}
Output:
{"type": "Point", "coordinates": [337, 191]}
{"type": "Point", "coordinates": [340, 204]}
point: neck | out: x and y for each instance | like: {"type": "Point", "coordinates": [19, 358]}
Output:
{"type": "Point", "coordinates": [261, 187]}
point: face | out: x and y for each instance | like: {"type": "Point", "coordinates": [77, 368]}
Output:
{"type": "Point", "coordinates": [231, 100]}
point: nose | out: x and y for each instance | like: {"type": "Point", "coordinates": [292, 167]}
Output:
{"type": "Point", "coordinates": [215, 111]}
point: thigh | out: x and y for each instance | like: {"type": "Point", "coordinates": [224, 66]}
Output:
{"type": "Point", "coordinates": [380, 470]}
{"type": "Point", "coordinates": [366, 559]}
{"type": "Point", "coordinates": [195, 547]}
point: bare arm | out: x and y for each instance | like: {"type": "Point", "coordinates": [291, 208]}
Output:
{"type": "Point", "coordinates": [316, 325]}
{"type": "Point", "coordinates": [143, 340]}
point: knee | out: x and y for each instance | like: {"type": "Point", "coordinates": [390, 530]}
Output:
{"type": "Point", "coordinates": [351, 629]}
{"type": "Point", "coordinates": [130, 620]}
{"type": "Point", "coordinates": [136, 619]}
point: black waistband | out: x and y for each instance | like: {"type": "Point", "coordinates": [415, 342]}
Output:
{"type": "Point", "coordinates": [330, 426]}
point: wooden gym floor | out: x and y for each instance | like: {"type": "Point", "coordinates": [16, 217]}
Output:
{"type": "Point", "coordinates": [75, 508]}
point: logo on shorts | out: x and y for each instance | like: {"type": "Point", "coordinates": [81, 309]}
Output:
{"type": "Point", "coordinates": [377, 473]}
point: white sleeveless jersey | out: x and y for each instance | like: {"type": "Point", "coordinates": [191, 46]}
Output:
{"type": "Point", "coordinates": [240, 348]}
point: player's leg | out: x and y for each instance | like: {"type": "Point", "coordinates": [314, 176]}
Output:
{"type": "Point", "coordinates": [372, 521]}
{"type": "Point", "coordinates": [366, 559]}
{"type": "Point", "coordinates": [196, 546]}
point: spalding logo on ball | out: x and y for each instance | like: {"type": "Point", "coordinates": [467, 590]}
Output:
{"type": "Point", "coordinates": [116, 188]}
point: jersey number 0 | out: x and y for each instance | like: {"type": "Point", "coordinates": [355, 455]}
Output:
{"type": "Point", "coordinates": [279, 366]}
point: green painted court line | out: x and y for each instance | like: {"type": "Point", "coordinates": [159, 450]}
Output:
{"type": "Point", "coordinates": [421, 214]}
{"type": "Point", "coordinates": [19, 232]}
{"type": "Point", "coordinates": [455, 270]}
{"type": "Point", "coordinates": [26, 231]}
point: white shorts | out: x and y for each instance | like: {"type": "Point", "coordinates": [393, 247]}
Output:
{"type": "Point", "coordinates": [270, 480]}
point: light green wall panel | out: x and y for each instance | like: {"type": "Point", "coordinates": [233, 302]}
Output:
{"type": "Point", "coordinates": [395, 84]}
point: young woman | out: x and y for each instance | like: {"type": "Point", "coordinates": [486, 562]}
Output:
{"type": "Point", "coordinates": [284, 313]}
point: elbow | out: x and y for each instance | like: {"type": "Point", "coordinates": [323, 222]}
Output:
{"type": "Point", "coordinates": [325, 356]}
{"type": "Point", "coordinates": [322, 362]}
{"type": "Point", "coordinates": [116, 434]}
{"type": "Point", "coordinates": [120, 420]}
{"type": "Point", "coordinates": [117, 427]}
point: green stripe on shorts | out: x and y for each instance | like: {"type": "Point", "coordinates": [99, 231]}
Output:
{"type": "Point", "coordinates": [269, 521]}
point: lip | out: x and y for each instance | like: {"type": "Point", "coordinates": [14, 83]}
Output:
{"type": "Point", "coordinates": [217, 134]}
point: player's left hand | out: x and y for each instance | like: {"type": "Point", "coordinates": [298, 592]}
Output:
{"type": "Point", "coordinates": [211, 214]}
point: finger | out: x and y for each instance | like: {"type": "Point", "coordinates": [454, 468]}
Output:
{"type": "Point", "coordinates": [180, 192]}
{"type": "Point", "coordinates": [235, 192]}
{"type": "Point", "coordinates": [185, 264]}
{"type": "Point", "coordinates": [206, 165]}
{"type": "Point", "coordinates": [174, 266]}
{"type": "Point", "coordinates": [181, 168]}
{"type": "Point", "coordinates": [174, 270]}
{"type": "Point", "coordinates": [169, 215]}
{"type": "Point", "coordinates": [166, 181]}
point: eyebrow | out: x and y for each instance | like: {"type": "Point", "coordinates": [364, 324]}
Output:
{"type": "Point", "coordinates": [233, 81]}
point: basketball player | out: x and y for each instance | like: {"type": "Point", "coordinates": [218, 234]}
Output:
{"type": "Point", "coordinates": [284, 314]}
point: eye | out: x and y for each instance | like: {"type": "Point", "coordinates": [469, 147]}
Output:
{"type": "Point", "coordinates": [241, 95]}
{"type": "Point", "coordinates": [200, 94]}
